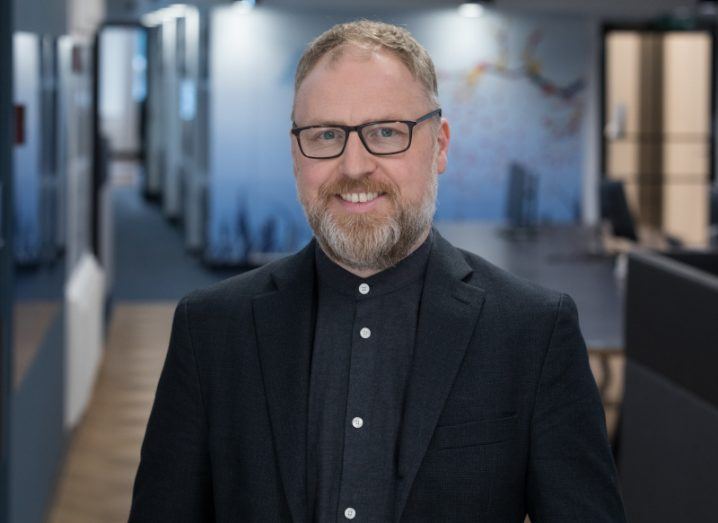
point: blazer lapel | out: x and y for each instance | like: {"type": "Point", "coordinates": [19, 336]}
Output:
{"type": "Point", "coordinates": [447, 317]}
{"type": "Point", "coordinates": [284, 322]}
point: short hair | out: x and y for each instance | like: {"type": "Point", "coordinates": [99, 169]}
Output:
{"type": "Point", "coordinates": [372, 35]}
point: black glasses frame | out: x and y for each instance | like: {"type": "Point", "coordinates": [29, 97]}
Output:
{"type": "Point", "coordinates": [358, 128]}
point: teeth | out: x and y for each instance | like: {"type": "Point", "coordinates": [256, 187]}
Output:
{"type": "Point", "coordinates": [357, 197]}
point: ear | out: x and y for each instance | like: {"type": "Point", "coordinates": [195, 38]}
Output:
{"type": "Point", "coordinates": [443, 138]}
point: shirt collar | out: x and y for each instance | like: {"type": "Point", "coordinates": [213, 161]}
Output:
{"type": "Point", "coordinates": [389, 280]}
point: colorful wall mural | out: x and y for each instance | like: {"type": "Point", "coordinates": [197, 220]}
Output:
{"type": "Point", "coordinates": [512, 87]}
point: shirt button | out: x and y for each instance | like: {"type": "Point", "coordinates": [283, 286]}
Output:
{"type": "Point", "coordinates": [350, 513]}
{"type": "Point", "coordinates": [364, 288]}
{"type": "Point", "coordinates": [365, 333]}
{"type": "Point", "coordinates": [357, 422]}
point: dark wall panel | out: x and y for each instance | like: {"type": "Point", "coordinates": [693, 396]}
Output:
{"type": "Point", "coordinates": [669, 457]}
{"type": "Point", "coordinates": [672, 322]}
{"type": "Point", "coordinates": [6, 255]}
{"type": "Point", "coordinates": [37, 437]}
{"type": "Point", "coordinates": [41, 16]}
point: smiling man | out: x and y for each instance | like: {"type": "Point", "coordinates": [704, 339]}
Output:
{"type": "Point", "coordinates": [369, 190]}
{"type": "Point", "coordinates": [380, 374]}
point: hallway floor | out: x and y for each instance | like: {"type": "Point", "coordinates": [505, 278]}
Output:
{"type": "Point", "coordinates": [96, 481]}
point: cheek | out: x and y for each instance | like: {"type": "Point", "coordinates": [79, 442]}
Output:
{"type": "Point", "coordinates": [416, 180]}
{"type": "Point", "coordinates": [309, 178]}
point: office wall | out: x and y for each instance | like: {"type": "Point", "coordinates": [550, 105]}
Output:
{"type": "Point", "coordinates": [41, 16]}
{"type": "Point", "coordinates": [512, 86]}
{"type": "Point", "coordinates": [27, 186]}
{"type": "Point", "coordinates": [44, 164]}
{"type": "Point", "coordinates": [58, 17]}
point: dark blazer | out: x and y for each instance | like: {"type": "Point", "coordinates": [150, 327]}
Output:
{"type": "Point", "coordinates": [502, 413]}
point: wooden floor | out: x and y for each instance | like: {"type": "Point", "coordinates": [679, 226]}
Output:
{"type": "Point", "coordinates": [96, 481]}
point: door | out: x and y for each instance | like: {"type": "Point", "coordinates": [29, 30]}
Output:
{"type": "Point", "coordinates": [658, 133]}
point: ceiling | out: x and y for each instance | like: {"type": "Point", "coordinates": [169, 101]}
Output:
{"type": "Point", "coordinates": [598, 8]}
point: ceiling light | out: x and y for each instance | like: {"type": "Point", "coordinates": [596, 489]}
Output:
{"type": "Point", "coordinates": [244, 6]}
{"type": "Point", "coordinates": [471, 9]}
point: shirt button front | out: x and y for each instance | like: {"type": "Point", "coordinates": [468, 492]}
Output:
{"type": "Point", "coordinates": [350, 513]}
{"type": "Point", "coordinates": [364, 288]}
{"type": "Point", "coordinates": [357, 422]}
{"type": "Point", "coordinates": [365, 333]}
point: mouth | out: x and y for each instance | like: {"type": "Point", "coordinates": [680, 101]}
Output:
{"type": "Point", "coordinates": [360, 201]}
{"type": "Point", "coordinates": [360, 197]}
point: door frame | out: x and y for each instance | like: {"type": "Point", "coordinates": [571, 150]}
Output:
{"type": "Point", "coordinates": [7, 139]}
{"type": "Point", "coordinates": [659, 27]}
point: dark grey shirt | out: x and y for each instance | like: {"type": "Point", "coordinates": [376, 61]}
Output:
{"type": "Point", "coordinates": [363, 347]}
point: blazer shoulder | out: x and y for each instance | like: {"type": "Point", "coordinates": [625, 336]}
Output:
{"type": "Point", "coordinates": [509, 289]}
{"type": "Point", "coordinates": [244, 286]}
{"type": "Point", "coordinates": [529, 311]}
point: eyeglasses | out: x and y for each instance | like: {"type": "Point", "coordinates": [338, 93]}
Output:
{"type": "Point", "coordinates": [322, 142]}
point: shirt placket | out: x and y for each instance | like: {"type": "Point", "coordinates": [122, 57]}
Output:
{"type": "Point", "coordinates": [358, 420]}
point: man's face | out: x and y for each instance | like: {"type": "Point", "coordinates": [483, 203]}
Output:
{"type": "Point", "coordinates": [364, 86]}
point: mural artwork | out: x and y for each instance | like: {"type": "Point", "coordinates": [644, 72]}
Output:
{"type": "Point", "coordinates": [513, 89]}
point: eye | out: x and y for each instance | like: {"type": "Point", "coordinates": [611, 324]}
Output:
{"type": "Point", "coordinates": [323, 135]}
{"type": "Point", "coordinates": [385, 132]}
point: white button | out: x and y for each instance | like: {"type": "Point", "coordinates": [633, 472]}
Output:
{"type": "Point", "coordinates": [364, 288]}
{"type": "Point", "coordinates": [365, 333]}
{"type": "Point", "coordinates": [357, 422]}
{"type": "Point", "coordinates": [350, 513]}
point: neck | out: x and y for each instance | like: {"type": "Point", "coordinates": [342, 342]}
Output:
{"type": "Point", "coordinates": [365, 273]}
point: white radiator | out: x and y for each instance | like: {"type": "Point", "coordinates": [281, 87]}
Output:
{"type": "Point", "coordinates": [84, 306]}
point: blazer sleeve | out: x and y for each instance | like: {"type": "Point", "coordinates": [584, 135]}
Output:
{"type": "Point", "coordinates": [173, 479]}
{"type": "Point", "coordinates": [571, 474]}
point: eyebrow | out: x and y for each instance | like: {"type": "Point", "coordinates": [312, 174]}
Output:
{"type": "Point", "coordinates": [333, 123]}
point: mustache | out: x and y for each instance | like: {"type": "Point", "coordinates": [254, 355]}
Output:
{"type": "Point", "coordinates": [347, 185]}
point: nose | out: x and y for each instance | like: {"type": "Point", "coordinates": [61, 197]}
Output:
{"type": "Point", "coordinates": [356, 162]}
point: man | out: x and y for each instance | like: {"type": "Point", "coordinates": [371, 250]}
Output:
{"type": "Point", "coordinates": [380, 374]}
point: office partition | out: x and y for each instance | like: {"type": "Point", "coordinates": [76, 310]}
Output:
{"type": "Point", "coordinates": [668, 457]}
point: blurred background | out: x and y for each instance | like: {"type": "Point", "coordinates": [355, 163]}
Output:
{"type": "Point", "coordinates": [144, 152]}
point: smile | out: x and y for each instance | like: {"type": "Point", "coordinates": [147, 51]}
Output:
{"type": "Point", "coordinates": [357, 197]}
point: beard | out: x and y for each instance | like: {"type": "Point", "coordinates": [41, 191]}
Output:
{"type": "Point", "coordinates": [372, 240]}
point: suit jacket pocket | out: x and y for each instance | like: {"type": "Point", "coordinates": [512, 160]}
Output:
{"type": "Point", "coordinates": [471, 433]}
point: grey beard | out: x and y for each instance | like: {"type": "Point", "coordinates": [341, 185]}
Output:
{"type": "Point", "coordinates": [364, 242]}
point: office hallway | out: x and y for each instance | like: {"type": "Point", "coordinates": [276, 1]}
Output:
{"type": "Point", "coordinates": [150, 259]}
{"type": "Point", "coordinates": [152, 271]}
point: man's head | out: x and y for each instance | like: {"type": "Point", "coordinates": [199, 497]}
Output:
{"type": "Point", "coordinates": [351, 75]}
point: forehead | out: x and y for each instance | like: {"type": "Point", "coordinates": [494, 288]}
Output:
{"type": "Point", "coordinates": [359, 85]}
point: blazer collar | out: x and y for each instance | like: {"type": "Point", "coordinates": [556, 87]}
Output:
{"type": "Point", "coordinates": [448, 314]}
{"type": "Point", "coordinates": [284, 323]}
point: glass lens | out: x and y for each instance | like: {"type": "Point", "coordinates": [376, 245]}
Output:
{"type": "Point", "coordinates": [388, 137]}
{"type": "Point", "coordinates": [322, 141]}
